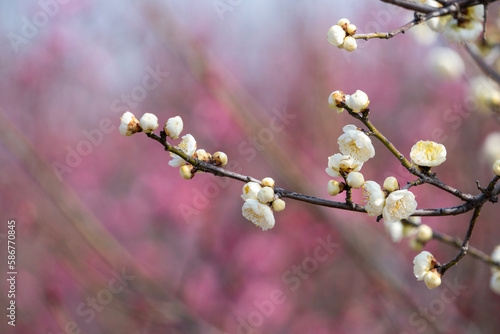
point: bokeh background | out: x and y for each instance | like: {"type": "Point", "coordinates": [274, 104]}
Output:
{"type": "Point", "coordinates": [110, 239]}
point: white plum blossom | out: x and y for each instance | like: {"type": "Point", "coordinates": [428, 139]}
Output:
{"type": "Point", "coordinates": [173, 127]}
{"type": "Point", "coordinates": [356, 144]}
{"type": "Point", "coordinates": [423, 34]}
{"type": "Point", "coordinates": [250, 190]}
{"type": "Point", "coordinates": [432, 279]}
{"type": "Point", "coordinates": [336, 35]}
{"type": "Point", "coordinates": [357, 101]}
{"type": "Point", "coordinates": [391, 184]}
{"type": "Point", "coordinates": [398, 230]}
{"type": "Point", "coordinates": [185, 172]}
{"type": "Point", "coordinates": [491, 147]}
{"type": "Point", "coordinates": [334, 187]}
{"type": "Point", "coordinates": [258, 213]}
{"type": "Point", "coordinates": [335, 100]}
{"type": "Point", "coordinates": [485, 91]}
{"type": "Point", "coordinates": [278, 205]}
{"type": "Point", "coordinates": [496, 168]}
{"type": "Point", "coordinates": [350, 44]}
{"type": "Point", "coordinates": [424, 233]}
{"type": "Point", "coordinates": [446, 63]}
{"type": "Point", "coordinates": [374, 198]}
{"type": "Point", "coordinates": [495, 256]}
{"type": "Point", "coordinates": [268, 182]}
{"type": "Point", "coordinates": [355, 180]}
{"type": "Point", "coordinates": [149, 122]}
{"type": "Point", "coordinates": [265, 195]}
{"type": "Point", "coordinates": [338, 163]}
{"type": "Point", "coordinates": [468, 28]}
{"type": "Point", "coordinates": [495, 282]}
{"type": "Point", "coordinates": [424, 269]}
{"type": "Point", "coordinates": [428, 153]}
{"type": "Point", "coordinates": [400, 204]}
{"type": "Point", "coordinates": [351, 29]}
{"type": "Point", "coordinates": [220, 158]}
{"type": "Point", "coordinates": [395, 230]}
{"type": "Point", "coordinates": [343, 22]}
{"type": "Point", "coordinates": [423, 262]}
{"type": "Point", "coordinates": [463, 31]}
{"type": "Point", "coordinates": [188, 146]}
{"type": "Point", "coordinates": [129, 124]}
{"type": "Point", "coordinates": [203, 155]}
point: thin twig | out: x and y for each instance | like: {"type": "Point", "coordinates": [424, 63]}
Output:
{"type": "Point", "coordinates": [487, 69]}
{"type": "Point", "coordinates": [412, 6]}
{"type": "Point", "coordinates": [424, 13]}
{"type": "Point", "coordinates": [465, 244]}
{"type": "Point", "coordinates": [457, 243]}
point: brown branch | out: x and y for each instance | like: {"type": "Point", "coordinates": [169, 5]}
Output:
{"type": "Point", "coordinates": [475, 201]}
{"type": "Point", "coordinates": [457, 243]}
{"type": "Point", "coordinates": [425, 178]}
{"type": "Point", "coordinates": [423, 13]}
{"type": "Point", "coordinates": [487, 69]}
{"type": "Point", "coordinates": [464, 248]}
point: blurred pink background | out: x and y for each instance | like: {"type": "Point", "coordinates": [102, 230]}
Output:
{"type": "Point", "coordinates": [110, 239]}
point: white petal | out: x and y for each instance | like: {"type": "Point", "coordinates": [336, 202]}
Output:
{"type": "Point", "coordinates": [258, 213]}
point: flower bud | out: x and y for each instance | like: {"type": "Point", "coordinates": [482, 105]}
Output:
{"type": "Point", "coordinates": [350, 44]}
{"type": "Point", "coordinates": [351, 29]}
{"type": "Point", "coordinates": [278, 205]}
{"type": "Point", "coordinates": [335, 35]}
{"type": "Point", "coordinates": [250, 190]}
{"type": "Point", "coordinates": [201, 154]}
{"type": "Point", "coordinates": [391, 184]}
{"type": "Point", "coordinates": [129, 124]}
{"type": "Point", "coordinates": [335, 187]}
{"type": "Point", "coordinates": [173, 127]}
{"type": "Point", "coordinates": [355, 180]}
{"type": "Point", "coordinates": [149, 122]}
{"type": "Point", "coordinates": [265, 195]}
{"type": "Point", "coordinates": [495, 282]}
{"type": "Point", "coordinates": [335, 100]}
{"type": "Point", "coordinates": [220, 158]}
{"type": "Point", "coordinates": [424, 233]}
{"type": "Point", "coordinates": [343, 23]}
{"type": "Point", "coordinates": [185, 172]}
{"type": "Point", "coordinates": [268, 182]}
{"type": "Point", "coordinates": [496, 167]}
{"type": "Point", "coordinates": [432, 279]}
{"type": "Point", "coordinates": [357, 101]}
{"type": "Point", "coordinates": [416, 245]}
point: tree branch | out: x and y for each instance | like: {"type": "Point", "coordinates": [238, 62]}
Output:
{"type": "Point", "coordinates": [423, 13]}
{"type": "Point", "coordinates": [465, 244]}
{"type": "Point", "coordinates": [476, 201]}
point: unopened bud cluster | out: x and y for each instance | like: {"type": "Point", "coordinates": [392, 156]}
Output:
{"type": "Point", "coordinates": [260, 201]}
{"type": "Point", "coordinates": [173, 128]}
{"type": "Point", "coordinates": [356, 102]}
{"type": "Point", "coordinates": [341, 35]}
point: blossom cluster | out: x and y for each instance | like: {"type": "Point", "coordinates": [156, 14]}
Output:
{"type": "Point", "coordinates": [356, 148]}
{"type": "Point", "coordinates": [173, 128]}
{"type": "Point", "coordinates": [341, 35]}
{"type": "Point", "coordinates": [425, 268]}
{"type": "Point", "coordinates": [259, 199]}
{"type": "Point", "coordinates": [465, 27]}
